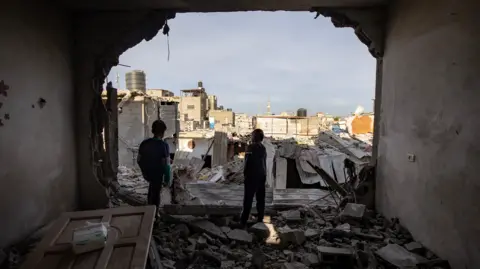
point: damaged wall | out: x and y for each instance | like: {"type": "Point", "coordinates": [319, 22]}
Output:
{"type": "Point", "coordinates": [102, 37]}
{"type": "Point", "coordinates": [430, 109]}
{"type": "Point", "coordinates": [37, 160]}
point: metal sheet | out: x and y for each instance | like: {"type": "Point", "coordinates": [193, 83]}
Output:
{"type": "Point", "coordinates": [220, 194]}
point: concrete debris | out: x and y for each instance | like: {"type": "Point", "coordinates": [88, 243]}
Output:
{"type": "Point", "coordinates": [260, 230]}
{"type": "Point", "coordinates": [294, 265]}
{"type": "Point", "coordinates": [291, 236]}
{"type": "Point", "coordinates": [353, 211]}
{"type": "Point", "coordinates": [292, 216]}
{"type": "Point", "coordinates": [332, 243]}
{"type": "Point", "coordinates": [240, 236]}
{"type": "Point", "coordinates": [207, 227]}
{"type": "Point", "coordinates": [415, 247]}
{"type": "Point", "coordinates": [311, 260]}
{"type": "Point", "coordinates": [311, 233]}
{"type": "Point", "coordinates": [399, 257]}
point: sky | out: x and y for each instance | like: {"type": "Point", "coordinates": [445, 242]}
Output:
{"type": "Point", "coordinates": [249, 58]}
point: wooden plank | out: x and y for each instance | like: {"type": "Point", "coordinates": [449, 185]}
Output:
{"type": "Point", "coordinates": [126, 247]}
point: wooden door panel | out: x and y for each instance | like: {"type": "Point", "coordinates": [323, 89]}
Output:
{"type": "Point", "coordinates": [127, 243]}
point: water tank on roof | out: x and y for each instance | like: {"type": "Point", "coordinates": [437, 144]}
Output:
{"type": "Point", "coordinates": [136, 80]}
{"type": "Point", "coordinates": [301, 112]}
{"type": "Point", "coordinates": [200, 84]}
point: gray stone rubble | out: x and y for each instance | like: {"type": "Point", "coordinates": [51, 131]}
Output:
{"type": "Point", "coordinates": [370, 242]}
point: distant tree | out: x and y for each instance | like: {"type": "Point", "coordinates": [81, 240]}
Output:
{"type": "Point", "coordinates": [336, 118]}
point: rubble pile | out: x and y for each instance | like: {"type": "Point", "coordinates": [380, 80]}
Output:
{"type": "Point", "coordinates": [300, 238]}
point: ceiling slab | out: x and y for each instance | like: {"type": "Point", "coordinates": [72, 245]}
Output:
{"type": "Point", "coordinates": [217, 5]}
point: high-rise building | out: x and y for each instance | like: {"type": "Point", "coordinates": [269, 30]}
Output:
{"type": "Point", "coordinates": [212, 102]}
{"type": "Point", "coordinates": [194, 105]}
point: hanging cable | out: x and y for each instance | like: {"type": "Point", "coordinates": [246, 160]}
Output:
{"type": "Point", "coordinates": [166, 31]}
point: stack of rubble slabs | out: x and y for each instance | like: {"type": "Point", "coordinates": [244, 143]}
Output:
{"type": "Point", "coordinates": [307, 237]}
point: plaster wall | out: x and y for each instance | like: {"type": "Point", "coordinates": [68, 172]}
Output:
{"type": "Point", "coordinates": [193, 107]}
{"type": "Point", "coordinates": [132, 130]}
{"type": "Point", "coordinates": [201, 146]}
{"type": "Point", "coordinates": [37, 149]}
{"type": "Point", "coordinates": [429, 108]}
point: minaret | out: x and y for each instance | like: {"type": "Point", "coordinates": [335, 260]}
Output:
{"type": "Point", "coordinates": [269, 111]}
{"type": "Point", "coordinates": [118, 81]}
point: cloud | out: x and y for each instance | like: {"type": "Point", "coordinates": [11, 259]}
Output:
{"type": "Point", "coordinates": [248, 58]}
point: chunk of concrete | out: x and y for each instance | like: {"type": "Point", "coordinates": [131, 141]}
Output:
{"type": "Point", "coordinates": [332, 255]}
{"type": "Point", "coordinates": [415, 247]}
{"type": "Point", "coordinates": [205, 226]}
{"type": "Point", "coordinates": [258, 259]}
{"type": "Point", "coordinates": [240, 236]}
{"type": "Point", "coordinates": [311, 260]}
{"type": "Point", "coordinates": [182, 230]}
{"type": "Point", "coordinates": [260, 230]}
{"type": "Point", "coordinates": [225, 229]}
{"type": "Point", "coordinates": [334, 251]}
{"type": "Point", "coordinates": [399, 257]}
{"type": "Point", "coordinates": [311, 233]}
{"type": "Point", "coordinates": [292, 216]}
{"type": "Point", "coordinates": [353, 211]}
{"type": "Point", "coordinates": [293, 236]}
{"type": "Point", "coordinates": [227, 264]}
{"type": "Point", "coordinates": [294, 265]}
{"type": "Point", "coordinates": [202, 242]}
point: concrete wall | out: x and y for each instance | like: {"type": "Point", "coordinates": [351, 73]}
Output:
{"type": "Point", "coordinates": [131, 132]}
{"type": "Point", "coordinates": [430, 108]}
{"type": "Point", "coordinates": [222, 117]}
{"type": "Point", "coordinates": [197, 113]}
{"type": "Point", "coordinates": [201, 146]}
{"type": "Point", "coordinates": [37, 149]}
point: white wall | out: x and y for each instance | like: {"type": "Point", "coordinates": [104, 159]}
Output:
{"type": "Point", "coordinates": [201, 146]}
{"type": "Point", "coordinates": [37, 149]}
{"type": "Point", "coordinates": [430, 107]}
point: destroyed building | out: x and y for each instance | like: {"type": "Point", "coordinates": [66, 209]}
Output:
{"type": "Point", "coordinates": [55, 56]}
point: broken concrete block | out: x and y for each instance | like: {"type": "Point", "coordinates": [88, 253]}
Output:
{"type": "Point", "coordinates": [415, 247]}
{"type": "Point", "coordinates": [344, 227]}
{"type": "Point", "coordinates": [205, 226]}
{"type": "Point", "coordinates": [399, 257]}
{"type": "Point", "coordinates": [353, 211]}
{"type": "Point", "coordinates": [202, 242]}
{"type": "Point", "coordinates": [260, 230]}
{"type": "Point", "coordinates": [258, 259]}
{"type": "Point", "coordinates": [222, 221]}
{"type": "Point", "coordinates": [311, 259]}
{"type": "Point", "coordinates": [225, 229]}
{"type": "Point", "coordinates": [182, 230]}
{"type": "Point", "coordinates": [289, 255]}
{"type": "Point", "coordinates": [293, 236]}
{"type": "Point", "coordinates": [292, 216]}
{"type": "Point", "coordinates": [311, 233]}
{"type": "Point", "coordinates": [331, 255]}
{"type": "Point", "coordinates": [227, 264]}
{"type": "Point", "coordinates": [294, 265]}
{"type": "Point", "coordinates": [240, 236]}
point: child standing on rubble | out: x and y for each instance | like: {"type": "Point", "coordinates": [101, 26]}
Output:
{"type": "Point", "coordinates": [255, 174]}
{"type": "Point", "coordinates": [154, 161]}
